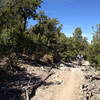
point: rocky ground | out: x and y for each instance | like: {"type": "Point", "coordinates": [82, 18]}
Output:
{"type": "Point", "coordinates": [91, 87]}
{"type": "Point", "coordinates": [64, 84]}
{"type": "Point", "coordinates": [69, 82]}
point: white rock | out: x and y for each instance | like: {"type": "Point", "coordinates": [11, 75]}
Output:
{"type": "Point", "coordinates": [62, 65]}
{"type": "Point", "coordinates": [86, 63]}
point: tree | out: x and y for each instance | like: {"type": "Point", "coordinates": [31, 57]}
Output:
{"type": "Point", "coordinates": [94, 54]}
{"type": "Point", "coordinates": [49, 28]}
{"type": "Point", "coordinates": [77, 33]}
{"type": "Point", "coordinates": [13, 12]}
{"type": "Point", "coordinates": [79, 43]}
{"type": "Point", "coordinates": [96, 35]}
{"type": "Point", "coordinates": [94, 48]}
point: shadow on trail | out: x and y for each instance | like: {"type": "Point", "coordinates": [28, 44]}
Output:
{"type": "Point", "coordinates": [12, 84]}
{"type": "Point", "coordinates": [16, 81]}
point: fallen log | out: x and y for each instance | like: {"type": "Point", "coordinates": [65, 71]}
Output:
{"type": "Point", "coordinates": [29, 90]}
{"type": "Point", "coordinates": [96, 77]}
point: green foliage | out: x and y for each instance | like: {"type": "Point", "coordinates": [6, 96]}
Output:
{"type": "Point", "coordinates": [78, 43]}
{"type": "Point", "coordinates": [14, 15]}
{"type": "Point", "coordinates": [47, 33]}
{"type": "Point", "coordinates": [94, 48]}
{"type": "Point", "coordinates": [43, 38]}
{"type": "Point", "coordinates": [94, 54]}
{"type": "Point", "coordinates": [14, 12]}
{"type": "Point", "coordinates": [77, 33]}
{"type": "Point", "coordinates": [96, 35]}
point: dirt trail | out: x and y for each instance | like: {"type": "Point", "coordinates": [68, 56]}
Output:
{"type": "Point", "coordinates": [70, 90]}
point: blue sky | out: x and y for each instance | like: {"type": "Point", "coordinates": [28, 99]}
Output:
{"type": "Point", "coordinates": [74, 13]}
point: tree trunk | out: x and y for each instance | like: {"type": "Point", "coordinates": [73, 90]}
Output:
{"type": "Point", "coordinates": [25, 22]}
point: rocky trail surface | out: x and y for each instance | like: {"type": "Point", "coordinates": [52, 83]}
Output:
{"type": "Point", "coordinates": [78, 83]}
{"type": "Point", "coordinates": [68, 88]}
{"type": "Point", "coordinates": [68, 82]}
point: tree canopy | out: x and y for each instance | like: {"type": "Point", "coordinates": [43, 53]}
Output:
{"type": "Point", "coordinates": [45, 37]}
